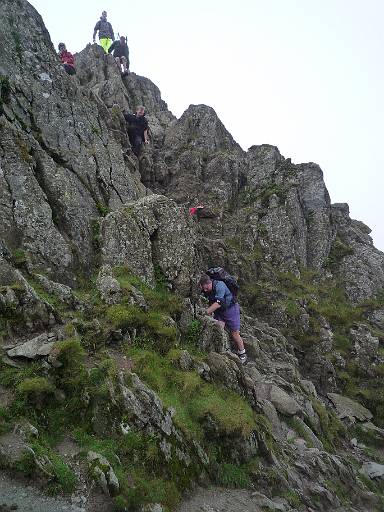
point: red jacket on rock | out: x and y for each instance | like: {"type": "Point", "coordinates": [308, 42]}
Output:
{"type": "Point", "coordinates": [67, 58]}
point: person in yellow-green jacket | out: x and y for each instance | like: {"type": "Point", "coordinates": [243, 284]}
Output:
{"type": "Point", "coordinates": [106, 35]}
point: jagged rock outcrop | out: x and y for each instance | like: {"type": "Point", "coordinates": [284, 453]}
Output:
{"type": "Point", "coordinates": [362, 268]}
{"type": "Point", "coordinates": [151, 235]}
{"type": "Point", "coordinates": [60, 162]}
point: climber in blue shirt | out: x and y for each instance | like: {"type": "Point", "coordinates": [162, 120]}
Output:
{"type": "Point", "coordinates": [224, 309]}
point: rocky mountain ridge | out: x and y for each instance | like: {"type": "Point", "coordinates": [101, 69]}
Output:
{"type": "Point", "coordinates": [114, 386]}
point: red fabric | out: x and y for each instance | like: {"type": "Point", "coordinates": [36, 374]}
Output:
{"type": "Point", "coordinates": [67, 58]}
{"type": "Point", "coordinates": [193, 210]}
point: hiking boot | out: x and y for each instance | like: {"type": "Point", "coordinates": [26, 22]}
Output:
{"type": "Point", "coordinates": [243, 358]}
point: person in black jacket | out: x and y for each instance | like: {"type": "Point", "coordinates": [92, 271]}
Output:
{"type": "Point", "coordinates": [137, 127]}
{"type": "Point", "coordinates": [120, 51]}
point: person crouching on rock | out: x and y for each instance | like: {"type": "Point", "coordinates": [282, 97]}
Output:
{"type": "Point", "coordinates": [106, 34]}
{"type": "Point", "coordinates": [224, 309]}
{"type": "Point", "coordinates": [121, 54]}
{"type": "Point", "coordinates": [67, 59]}
{"type": "Point", "coordinates": [137, 127]}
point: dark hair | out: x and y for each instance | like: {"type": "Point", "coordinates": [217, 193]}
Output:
{"type": "Point", "coordinates": [204, 279]}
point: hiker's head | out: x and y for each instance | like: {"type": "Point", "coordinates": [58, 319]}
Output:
{"type": "Point", "coordinates": [205, 283]}
{"type": "Point", "coordinates": [140, 111]}
{"type": "Point", "coordinates": [61, 47]}
{"type": "Point", "coordinates": [122, 39]}
{"type": "Point", "coordinates": [104, 15]}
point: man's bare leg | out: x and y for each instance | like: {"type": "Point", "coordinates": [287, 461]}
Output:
{"type": "Point", "coordinates": [238, 340]}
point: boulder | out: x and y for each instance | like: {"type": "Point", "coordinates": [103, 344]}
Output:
{"type": "Point", "coordinates": [20, 306]}
{"type": "Point", "coordinates": [151, 236]}
{"type": "Point", "coordinates": [61, 291]}
{"type": "Point", "coordinates": [377, 318]}
{"type": "Point", "coordinates": [278, 397]}
{"type": "Point", "coordinates": [143, 408]}
{"type": "Point", "coordinates": [103, 473]}
{"type": "Point", "coordinates": [212, 337]}
{"type": "Point", "coordinates": [348, 408]}
{"type": "Point", "coordinates": [13, 448]}
{"type": "Point", "coordinates": [365, 345]}
{"type": "Point", "coordinates": [373, 430]}
{"type": "Point", "coordinates": [108, 286]}
{"type": "Point", "coordinates": [225, 370]}
{"type": "Point", "coordinates": [39, 346]}
{"type": "Point", "coordinates": [373, 470]}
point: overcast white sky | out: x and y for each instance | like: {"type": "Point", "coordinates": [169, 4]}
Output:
{"type": "Point", "coordinates": [304, 75]}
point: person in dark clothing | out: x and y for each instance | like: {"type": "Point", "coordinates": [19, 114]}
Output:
{"type": "Point", "coordinates": [106, 35]}
{"type": "Point", "coordinates": [120, 51]}
{"type": "Point", "coordinates": [137, 127]}
{"type": "Point", "coordinates": [67, 59]}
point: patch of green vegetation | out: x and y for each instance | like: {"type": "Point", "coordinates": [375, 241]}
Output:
{"type": "Point", "coordinates": [36, 390]}
{"type": "Point", "coordinates": [19, 258]}
{"type": "Point", "coordinates": [153, 327]}
{"type": "Point", "coordinates": [139, 457]}
{"type": "Point", "coordinates": [229, 475]}
{"type": "Point", "coordinates": [102, 209]}
{"type": "Point", "coordinates": [63, 478]}
{"type": "Point", "coordinates": [193, 399]}
{"type": "Point", "coordinates": [158, 299]}
{"type": "Point", "coordinates": [300, 430]}
{"type": "Point", "coordinates": [341, 490]}
{"type": "Point", "coordinates": [6, 420]}
{"type": "Point", "coordinates": [293, 498]}
{"type": "Point", "coordinates": [193, 333]}
{"type": "Point", "coordinates": [96, 234]}
{"type": "Point", "coordinates": [45, 296]}
{"type": "Point", "coordinates": [339, 250]}
{"type": "Point", "coordinates": [342, 343]}
{"type": "Point", "coordinates": [233, 243]}
{"type": "Point", "coordinates": [249, 196]}
{"type": "Point", "coordinates": [368, 437]}
{"type": "Point", "coordinates": [268, 191]}
{"type": "Point", "coordinates": [332, 429]}
{"type": "Point", "coordinates": [375, 486]}
{"type": "Point", "coordinates": [11, 377]}
{"type": "Point", "coordinates": [95, 130]}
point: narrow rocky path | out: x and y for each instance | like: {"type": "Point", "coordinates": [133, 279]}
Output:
{"type": "Point", "coordinates": [17, 496]}
{"type": "Point", "coordinates": [217, 499]}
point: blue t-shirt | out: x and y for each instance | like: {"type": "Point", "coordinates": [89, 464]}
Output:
{"type": "Point", "coordinates": [221, 294]}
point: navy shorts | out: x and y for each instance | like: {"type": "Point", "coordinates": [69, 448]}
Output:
{"type": "Point", "coordinates": [230, 316]}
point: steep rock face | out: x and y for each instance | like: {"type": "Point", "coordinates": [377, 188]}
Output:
{"type": "Point", "coordinates": [99, 73]}
{"type": "Point", "coordinates": [286, 207]}
{"type": "Point", "coordinates": [362, 268]}
{"type": "Point", "coordinates": [61, 163]}
{"type": "Point", "coordinates": [199, 161]}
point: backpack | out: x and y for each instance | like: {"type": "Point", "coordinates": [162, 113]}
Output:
{"type": "Point", "coordinates": [219, 274]}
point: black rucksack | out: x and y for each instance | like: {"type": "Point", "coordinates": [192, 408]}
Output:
{"type": "Point", "coordinates": [219, 274]}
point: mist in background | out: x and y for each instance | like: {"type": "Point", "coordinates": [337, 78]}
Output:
{"type": "Point", "coordinates": [303, 75]}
